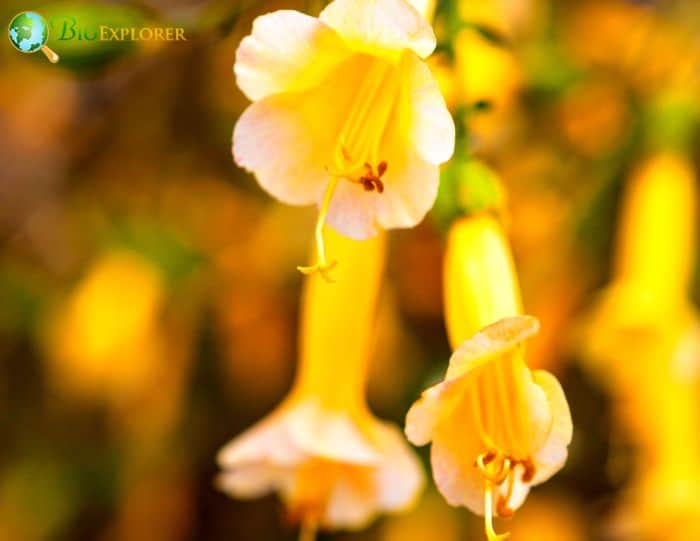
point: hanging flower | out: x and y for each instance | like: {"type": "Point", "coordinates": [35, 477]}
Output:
{"type": "Point", "coordinates": [332, 462]}
{"type": "Point", "coordinates": [497, 428]}
{"type": "Point", "coordinates": [643, 341]}
{"type": "Point", "coordinates": [655, 251]}
{"type": "Point", "coordinates": [345, 115]}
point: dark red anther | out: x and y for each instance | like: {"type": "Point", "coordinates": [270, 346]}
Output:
{"type": "Point", "coordinates": [367, 183]}
{"type": "Point", "coordinates": [529, 471]}
{"type": "Point", "coordinates": [502, 508]}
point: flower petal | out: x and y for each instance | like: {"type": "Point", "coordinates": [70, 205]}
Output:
{"type": "Point", "coordinates": [435, 403]}
{"type": "Point", "coordinates": [423, 416]}
{"type": "Point", "coordinates": [269, 441]}
{"type": "Point", "coordinates": [550, 458]}
{"type": "Point", "coordinates": [255, 481]}
{"type": "Point", "coordinates": [393, 484]}
{"type": "Point", "coordinates": [410, 189]}
{"type": "Point", "coordinates": [410, 182]}
{"type": "Point", "coordinates": [352, 504]}
{"type": "Point", "coordinates": [425, 117]}
{"type": "Point", "coordinates": [484, 346]}
{"type": "Point", "coordinates": [490, 342]}
{"type": "Point", "coordinates": [399, 476]}
{"type": "Point", "coordinates": [454, 450]}
{"type": "Point", "coordinates": [286, 51]}
{"type": "Point", "coordinates": [425, 7]}
{"type": "Point", "coordinates": [367, 465]}
{"type": "Point", "coordinates": [287, 140]}
{"type": "Point", "coordinates": [380, 27]}
{"type": "Point", "coordinates": [333, 436]}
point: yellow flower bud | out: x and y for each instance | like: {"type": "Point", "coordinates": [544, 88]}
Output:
{"type": "Point", "coordinates": [480, 283]}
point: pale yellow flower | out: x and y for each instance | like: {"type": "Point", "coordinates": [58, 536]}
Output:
{"type": "Point", "coordinates": [332, 462]}
{"type": "Point", "coordinates": [346, 115]}
{"type": "Point", "coordinates": [497, 428]}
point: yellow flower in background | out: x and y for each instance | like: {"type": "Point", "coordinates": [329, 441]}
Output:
{"type": "Point", "coordinates": [491, 14]}
{"type": "Point", "coordinates": [643, 341]}
{"type": "Point", "coordinates": [660, 205]}
{"type": "Point", "coordinates": [496, 427]}
{"type": "Point", "coordinates": [647, 303]}
{"type": "Point", "coordinates": [661, 502]}
{"type": "Point", "coordinates": [485, 71]}
{"type": "Point", "coordinates": [346, 115]}
{"type": "Point", "coordinates": [103, 343]}
{"type": "Point", "coordinates": [332, 462]}
{"type": "Point", "coordinates": [480, 283]}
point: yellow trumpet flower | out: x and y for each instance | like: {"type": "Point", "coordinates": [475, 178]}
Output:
{"type": "Point", "coordinates": [652, 270]}
{"type": "Point", "coordinates": [332, 462]}
{"type": "Point", "coordinates": [496, 427]}
{"type": "Point", "coordinates": [345, 114]}
{"type": "Point", "coordinates": [644, 342]}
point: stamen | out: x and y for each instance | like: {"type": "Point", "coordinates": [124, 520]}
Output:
{"type": "Point", "coordinates": [361, 134]}
{"type": "Point", "coordinates": [510, 431]}
{"type": "Point", "coordinates": [478, 418]}
{"type": "Point", "coordinates": [529, 473]}
{"type": "Point", "coordinates": [366, 121]}
{"type": "Point", "coordinates": [488, 514]}
{"type": "Point", "coordinates": [489, 457]}
{"type": "Point", "coordinates": [370, 181]}
{"type": "Point", "coordinates": [493, 467]}
{"type": "Point", "coordinates": [502, 505]}
{"type": "Point", "coordinates": [321, 265]}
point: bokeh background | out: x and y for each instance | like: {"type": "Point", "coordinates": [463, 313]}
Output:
{"type": "Point", "coordinates": [148, 291]}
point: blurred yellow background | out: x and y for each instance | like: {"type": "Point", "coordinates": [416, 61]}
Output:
{"type": "Point", "coordinates": [149, 296]}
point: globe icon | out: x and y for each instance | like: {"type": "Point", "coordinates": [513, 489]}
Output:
{"type": "Point", "coordinates": [29, 34]}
